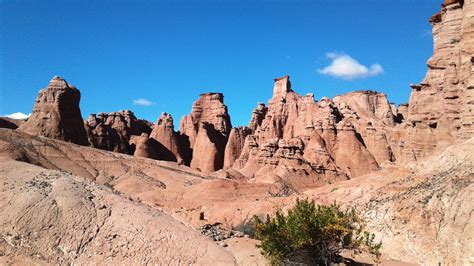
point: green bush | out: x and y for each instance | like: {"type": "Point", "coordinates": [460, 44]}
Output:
{"type": "Point", "coordinates": [313, 234]}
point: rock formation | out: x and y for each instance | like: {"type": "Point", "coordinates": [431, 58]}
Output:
{"type": "Point", "coordinates": [440, 110]}
{"type": "Point", "coordinates": [371, 115]}
{"type": "Point", "coordinates": [351, 135]}
{"type": "Point", "coordinates": [56, 113]}
{"type": "Point", "coordinates": [112, 131]}
{"type": "Point", "coordinates": [235, 144]}
{"type": "Point", "coordinates": [208, 150]}
{"type": "Point", "coordinates": [294, 146]}
{"type": "Point", "coordinates": [143, 147]}
{"type": "Point", "coordinates": [209, 109]}
{"type": "Point", "coordinates": [350, 154]}
{"type": "Point", "coordinates": [295, 137]}
{"type": "Point", "coordinates": [371, 106]}
{"type": "Point", "coordinates": [10, 123]}
{"type": "Point", "coordinates": [163, 132]}
{"type": "Point", "coordinates": [258, 115]}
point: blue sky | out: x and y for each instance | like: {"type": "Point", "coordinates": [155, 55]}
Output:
{"type": "Point", "coordinates": [168, 52]}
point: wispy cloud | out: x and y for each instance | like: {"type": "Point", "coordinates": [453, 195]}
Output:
{"type": "Point", "coordinates": [345, 67]}
{"type": "Point", "coordinates": [17, 115]}
{"type": "Point", "coordinates": [143, 102]}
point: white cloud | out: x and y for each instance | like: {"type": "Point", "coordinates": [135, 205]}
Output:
{"type": "Point", "coordinates": [143, 102]}
{"type": "Point", "coordinates": [17, 115]}
{"type": "Point", "coordinates": [345, 67]}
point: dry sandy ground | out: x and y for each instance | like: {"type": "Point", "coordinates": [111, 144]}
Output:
{"type": "Point", "coordinates": [423, 213]}
{"type": "Point", "coordinates": [56, 217]}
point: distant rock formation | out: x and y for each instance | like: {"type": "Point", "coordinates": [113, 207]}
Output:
{"type": "Point", "coordinates": [208, 150]}
{"type": "Point", "coordinates": [163, 132]}
{"type": "Point", "coordinates": [209, 109]}
{"type": "Point", "coordinates": [371, 115]}
{"type": "Point", "coordinates": [56, 114]}
{"type": "Point", "coordinates": [297, 136]}
{"type": "Point", "coordinates": [112, 131]}
{"type": "Point", "coordinates": [6, 122]}
{"type": "Point", "coordinates": [258, 115]}
{"type": "Point", "coordinates": [294, 138]}
{"type": "Point", "coordinates": [143, 147]}
{"type": "Point", "coordinates": [235, 145]}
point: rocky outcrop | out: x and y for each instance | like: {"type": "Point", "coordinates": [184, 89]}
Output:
{"type": "Point", "coordinates": [402, 112]}
{"type": "Point", "coordinates": [112, 131]}
{"type": "Point", "coordinates": [350, 154]}
{"type": "Point", "coordinates": [316, 153]}
{"type": "Point", "coordinates": [163, 132]}
{"type": "Point", "coordinates": [370, 106]}
{"type": "Point", "coordinates": [208, 151]}
{"type": "Point", "coordinates": [10, 123]}
{"type": "Point", "coordinates": [299, 136]}
{"type": "Point", "coordinates": [258, 115]}
{"type": "Point", "coordinates": [144, 148]}
{"type": "Point", "coordinates": [440, 110]}
{"type": "Point", "coordinates": [371, 115]}
{"type": "Point", "coordinates": [209, 109]}
{"type": "Point", "coordinates": [44, 207]}
{"type": "Point", "coordinates": [56, 114]}
{"type": "Point", "coordinates": [235, 145]}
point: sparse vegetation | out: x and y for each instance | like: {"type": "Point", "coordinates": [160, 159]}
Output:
{"type": "Point", "coordinates": [313, 234]}
{"type": "Point", "coordinates": [283, 190]}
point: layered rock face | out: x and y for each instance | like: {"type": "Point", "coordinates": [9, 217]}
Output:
{"type": "Point", "coordinates": [112, 131]}
{"type": "Point", "coordinates": [440, 109]}
{"type": "Point", "coordinates": [163, 132]}
{"type": "Point", "coordinates": [297, 138]}
{"type": "Point", "coordinates": [210, 110]}
{"type": "Point", "coordinates": [56, 114]}
{"type": "Point", "coordinates": [372, 116]}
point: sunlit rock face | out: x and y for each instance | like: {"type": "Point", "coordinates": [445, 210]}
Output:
{"type": "Point", "coordinates": [210, 110]}
{"type": "Point", "coordinates": [56, 113]}
{"type": "Point", "coordinates": [165, 136]}
{"type": "Point", "coordinates": [440, 110]}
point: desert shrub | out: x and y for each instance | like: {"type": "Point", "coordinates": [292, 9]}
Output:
{"type": "Point", "coordinates": [313, 234]}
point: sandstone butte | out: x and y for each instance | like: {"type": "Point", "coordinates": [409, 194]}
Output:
{"type": "Point", "coordinates": [407, 167]}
